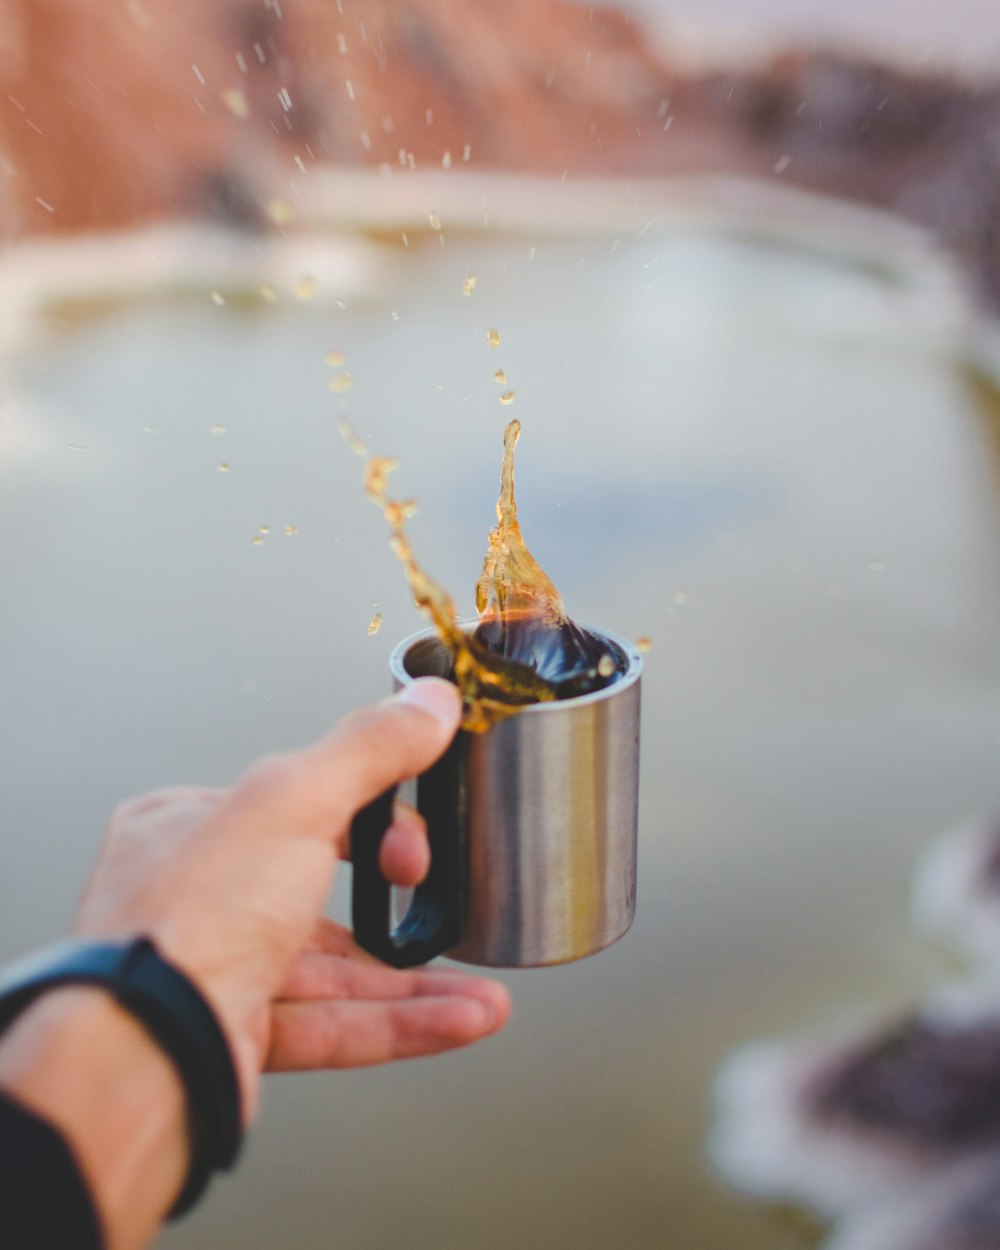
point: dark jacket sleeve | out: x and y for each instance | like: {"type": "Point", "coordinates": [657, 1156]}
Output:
{"type": "Point", "coordinates": [44, 1203]}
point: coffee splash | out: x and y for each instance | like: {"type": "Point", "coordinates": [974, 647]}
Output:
{"type": "Point", "coordinates": [525, 648]}
{"type": "Point", "coordinates": [521, 614]}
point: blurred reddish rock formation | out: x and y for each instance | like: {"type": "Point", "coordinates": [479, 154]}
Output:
{"type": "Point", "coordinates": [103, 121]}
{"type": "Point", "coordinates": [117, 111]}
{"type": "Point", "coordinates": [531, 84]}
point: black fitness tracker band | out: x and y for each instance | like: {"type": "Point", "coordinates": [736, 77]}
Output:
{"type": "Point", "coordinates": [175, 1014]}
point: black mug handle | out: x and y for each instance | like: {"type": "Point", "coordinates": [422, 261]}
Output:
{"type": "Point", "coordinates": [432, 924]}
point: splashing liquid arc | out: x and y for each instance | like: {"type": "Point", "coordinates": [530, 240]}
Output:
{"type": "Point", "coordinates": [525, 649]}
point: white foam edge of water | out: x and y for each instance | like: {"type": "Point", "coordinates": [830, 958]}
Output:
{"type": "Point", "coordinates": [538, 209]}
{"type": "Point", "coordinates": [764, 1141]}
{"type": "Point", "coordinates": [326, 241]}
{"type": "Point", "coordinates": [353, 197]}
{"type": "Point", "coordinates": [37, 274]}
{"type": "Point", "coordinates": [951, 901]}
{"type": "Point", "coordinates": [764, 1145]}
{"type": "Point", "coordinates": [912, 1217]}
{"type": "Point", "coordinates": [941, 304]}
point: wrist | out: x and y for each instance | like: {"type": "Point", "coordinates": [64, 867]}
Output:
{"type": "Point", "coordinates": [76, 1058]}
{"type": "Point", "coordinates": [179, 1021]}
{"type": "Point", "coordinates": [238, 1010]}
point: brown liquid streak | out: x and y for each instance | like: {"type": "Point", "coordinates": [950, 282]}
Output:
{"type": "Point", "coordinates": [512, 583]}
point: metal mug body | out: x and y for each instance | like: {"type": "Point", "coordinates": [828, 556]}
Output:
{"type": "Point", "coordinates": [548, 817]}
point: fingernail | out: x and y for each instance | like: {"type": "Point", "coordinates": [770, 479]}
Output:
{"type": "Point", "coordinates": [486, 1019]}
{"type": "Point", "coordinates": [434, 695]}
{"type": "Point", "coordinates": [489, 1014]}
{"type": "Point", "coordinates": [498, 1007]}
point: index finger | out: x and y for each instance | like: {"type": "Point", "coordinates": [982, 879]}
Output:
{"type": "Point", "coordinates": [317, 791]}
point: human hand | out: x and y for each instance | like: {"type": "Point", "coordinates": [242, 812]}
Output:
{"type": "Point", "coordinates": [231, 886]}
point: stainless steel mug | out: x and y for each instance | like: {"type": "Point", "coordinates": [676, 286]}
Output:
{"type": "Point", "coordinates": [532, 827]}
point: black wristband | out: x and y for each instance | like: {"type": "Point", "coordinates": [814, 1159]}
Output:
{"type": "Point", "coordinates": [174, 1012]}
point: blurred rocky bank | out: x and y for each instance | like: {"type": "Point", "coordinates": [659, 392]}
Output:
{"type": "Point", "coordinates": [126, 111]}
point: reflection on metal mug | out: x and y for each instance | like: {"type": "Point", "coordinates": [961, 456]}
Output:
{"type": "Point", "coordinates": [532, 827]}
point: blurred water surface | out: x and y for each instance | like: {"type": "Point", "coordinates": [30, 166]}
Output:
{"type": "Point", "coordinates": [761, 456]}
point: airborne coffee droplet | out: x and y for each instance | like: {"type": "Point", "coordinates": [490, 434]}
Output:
{"type": "Point", "coordinates": [280, 212]}
{"type": "Point", "coordinates": [236, 101]}
{"type": "Point", "coordinates": [351, 437]}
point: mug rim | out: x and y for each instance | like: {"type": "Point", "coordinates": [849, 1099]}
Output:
{"type": "Point", "coordinates": [627, 679]}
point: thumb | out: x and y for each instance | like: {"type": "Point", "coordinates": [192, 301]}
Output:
{"type": "Point", "coordinates": [318, 790]}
